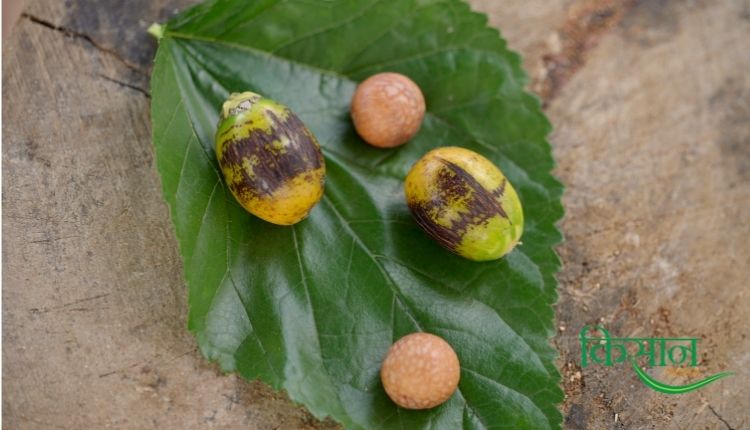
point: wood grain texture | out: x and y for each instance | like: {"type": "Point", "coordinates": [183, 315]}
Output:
{"type": "Point", "coordinates": [652, 140]}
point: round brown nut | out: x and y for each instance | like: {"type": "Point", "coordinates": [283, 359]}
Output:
{"type": "Point", "coordinates": [420, 371]}
{"type": "Point", "coordinates": [387, 109]}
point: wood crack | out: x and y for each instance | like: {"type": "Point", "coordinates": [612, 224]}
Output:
{"type": "Point", "coordinates": [126, 85]}
{"type": "Point", "coordinates": [68, 32]}
{"type": "Point", "coordinates": [713, 411]}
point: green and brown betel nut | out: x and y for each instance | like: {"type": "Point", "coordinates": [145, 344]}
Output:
{"type": "Point", "coordinates": [465, 203]}
{"type": "Point", "coordinates": [271, 161]}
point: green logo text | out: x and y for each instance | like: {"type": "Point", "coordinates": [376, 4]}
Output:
{"type": "Point", "coordinates": [663, 351]}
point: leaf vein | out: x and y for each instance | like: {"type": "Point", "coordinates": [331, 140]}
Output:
{"type": "Point", "coordinates": [383, 271]}
{"type": "Point", "coordinates": [323, 30]}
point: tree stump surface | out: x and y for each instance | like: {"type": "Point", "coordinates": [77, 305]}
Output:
{"type": "Point", "coordinates": [651, 106]}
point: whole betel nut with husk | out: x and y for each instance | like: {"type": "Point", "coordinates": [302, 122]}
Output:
{"type": "Point", "coordinates": [420, 371]}
{"type": "Point", "coordinates": [387, 109]}
{"type": "Point", "coordinates": [465, 203]}
{"type": "Point", "coordinates": [270, 160]}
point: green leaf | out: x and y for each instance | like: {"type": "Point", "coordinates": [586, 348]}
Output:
{"type": "Point", "coordinates": [313, 308]}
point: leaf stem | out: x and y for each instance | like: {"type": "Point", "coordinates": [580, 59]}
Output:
{"type": "Point", "coordinates": [156, 30]}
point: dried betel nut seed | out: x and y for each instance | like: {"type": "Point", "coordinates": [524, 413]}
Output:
{"type": "Point", "coordinates": [420, 371]}
{"type": "Point", "coordinates": [270, 160]}
{"type": "Point", "coordinates": [387, 109]}
{"type": "Point", "coordinates": [465, 203]}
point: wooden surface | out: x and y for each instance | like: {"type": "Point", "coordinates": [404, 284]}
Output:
{"type": "Point", "coordinates": [651, 104]}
